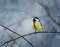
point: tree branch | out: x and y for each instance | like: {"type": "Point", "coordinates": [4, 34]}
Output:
{"type": "Point", "coordinates": [49, 14]}
{"type": "Point", "coordinates": [27, 35]}
{"type": "Point", "coordinates": [16, 34]}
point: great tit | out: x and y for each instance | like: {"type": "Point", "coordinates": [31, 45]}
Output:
{"type": "Point", "coordinates": [36, 24]}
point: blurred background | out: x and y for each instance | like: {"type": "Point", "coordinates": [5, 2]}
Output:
{"type": "Point", "coordinates": [18, 14]}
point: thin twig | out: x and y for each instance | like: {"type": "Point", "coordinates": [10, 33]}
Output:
{"type": "Point", "coordinates": [48, 13]}
{"type": "Point", "coordinates": [16, 34]}
{"type": "Point", "coordinates": [27, 35]}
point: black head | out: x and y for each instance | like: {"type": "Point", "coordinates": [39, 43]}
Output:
{"type": "Point", "coordinates": [36, 19]}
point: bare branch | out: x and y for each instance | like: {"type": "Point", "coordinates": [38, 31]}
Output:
{"type": "Point", "coordinates": [49, 14]}
{"type": "Point", "coordinates": [16, 34]}
{"type": "Point", "coordinates": [27, 35]}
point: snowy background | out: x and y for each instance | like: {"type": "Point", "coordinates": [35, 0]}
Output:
{"type": "Point", "coordinates": [18, 14]}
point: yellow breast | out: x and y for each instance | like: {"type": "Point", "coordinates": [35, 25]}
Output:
{"type": "Point", "coordinates": [37, 26]}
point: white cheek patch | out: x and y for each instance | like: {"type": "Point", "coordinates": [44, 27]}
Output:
{"type": "Point", "coordinates": [36, 19]}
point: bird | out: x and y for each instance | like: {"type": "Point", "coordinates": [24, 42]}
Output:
{"type": "Point", "coordinates": [36, 24]}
